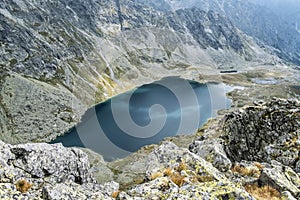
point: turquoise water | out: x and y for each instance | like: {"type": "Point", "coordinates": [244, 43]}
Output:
{"type": "Point", "coordinates": [168, 107]}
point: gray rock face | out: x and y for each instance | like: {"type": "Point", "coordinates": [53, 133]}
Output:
{"type": "Point", "coordinates": [173, 172]}
{"type": "Point", "coordinates": [287, 10]}
{"type": "Point", "coordinates": [208, 29]}
{"type": "Point", "coordinates": [52, 171]}
{"type": "Point", "coordinates": [35, 111]}
{"type": "Point", "coordinates": [98, 166]}
{"type": "Point", "coordinates": [271, 28]}
{"type": "Point", "coordinates": [212, 151]}
{"type": "Point", "coordinates": [75, 191]}
{"type": "Point", "coordinates": [53, 163]}
{"type": "Point", "coordinates": [281, 177]}
{"type": "Point", "coordinates": [264, 133]}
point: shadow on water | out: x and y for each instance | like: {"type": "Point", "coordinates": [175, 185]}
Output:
{"type": "Point", "coordinates": [168, 107]}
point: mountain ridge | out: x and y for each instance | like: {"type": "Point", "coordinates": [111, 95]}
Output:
{"type": "Point", "coordinates": [257, 21]}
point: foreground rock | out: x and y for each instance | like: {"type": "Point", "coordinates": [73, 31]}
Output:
{"type": "Point", "coordinates": [259, 144]}
{"type": "Point", "coordinates": [175, 172]}
{"type": "Point", "coordinates": [268, 131]}
{"type": "Point", "coordinates": [205, 170]}
{"type": "Point", "coordinates": [43, 171]}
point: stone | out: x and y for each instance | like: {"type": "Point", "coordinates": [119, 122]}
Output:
{"type": "Point", "coordinates": [264, 133]}
{"type": "Point", "coordinates": [286, 195]}
{"type": "Point", "coordinates": [161, 188]}
{"type": "Point", "coordinates": [71, 190]}
{"type": "Point", "coordinates": [176, 172]}
{"type": "Point", "coordinates": [98, 166]}
{"type": "Point", "coordinates": [283, 178]}
{"type": "Point", "coordinates": [51, 171]}
{"type": "Point", "coordinates": [213, 152]}
{"type": "Point", "coordinates": [169, 155]}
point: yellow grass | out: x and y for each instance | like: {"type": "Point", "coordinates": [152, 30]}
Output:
{"type": "Point", "coordinates": [262, 193]}
{"type": "Point", "coordinates": [23, 186]}
{"type": "Point", "coordinates": [246, 171]}
{"type": "Point", "coordinates": [115, 194]}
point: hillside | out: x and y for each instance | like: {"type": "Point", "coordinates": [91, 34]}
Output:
{"type": "Point", "coordinates": [67, 55]}
{"type": "Point", "coordinates": [271, 23]}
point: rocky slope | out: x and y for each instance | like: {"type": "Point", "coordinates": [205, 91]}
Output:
{"type": "Point", "coordinates": [61, 57]}
{"type": "Point", "coordinates": [212, 164]}
{"type": "Point", "coordinates": [288, 10]}
{"type": "Point", "coordinates": [262, 23]}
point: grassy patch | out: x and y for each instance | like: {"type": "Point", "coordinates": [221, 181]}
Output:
{"type": "Point", "coordinates": [181, 174]}
{"type": "Point", "coordinates": [23, 186]}
{"type": "Point", "coordinates": [247, 171]}
{"type": "Point", "coordinates": [263, 193]}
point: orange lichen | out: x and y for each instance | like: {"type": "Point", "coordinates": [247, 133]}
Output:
{"type": "Point", "coordinates": [23, 186]}
{"type": "Point", "coordinates": [205, 178]}
{"type": "Point", "coordinates": [178, 179]}
{"type": "Point", "coordinates": [263, 193]}
{"type": "Point", "coordinates": [181, 174]}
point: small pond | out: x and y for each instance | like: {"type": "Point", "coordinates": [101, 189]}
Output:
{"type": "Point", "coordinates": [146, 115]}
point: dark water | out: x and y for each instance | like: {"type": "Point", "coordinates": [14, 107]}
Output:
{"type": "Point", "coordinates": [146, 115]}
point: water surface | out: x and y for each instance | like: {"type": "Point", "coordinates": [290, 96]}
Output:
{"type": "Point", "coordinates": [146, 115]}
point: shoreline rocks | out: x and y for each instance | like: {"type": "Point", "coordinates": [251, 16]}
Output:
{"type": "Point", "coordinates": [204, 170]}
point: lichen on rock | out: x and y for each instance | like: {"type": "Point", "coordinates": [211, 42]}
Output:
{"type": "Point", "coordinates": [264, 133]}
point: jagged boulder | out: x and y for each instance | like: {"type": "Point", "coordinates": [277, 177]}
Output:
{"type": "Point", "coordinates": [44, 171]}
{"type": "Point", "coordinates": [74, 191]}
{"type": "Point", "coordinates": [264, 133]}
{"type": "Point", "coordinates": [281, 177]}
{"type": "Point", "coordinates": [213, 151]}
{"type": "Point", "coordinates": [174, 172]}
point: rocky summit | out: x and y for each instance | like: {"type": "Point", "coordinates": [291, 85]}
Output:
{"type": "Point", "coordinates": [243, 155]}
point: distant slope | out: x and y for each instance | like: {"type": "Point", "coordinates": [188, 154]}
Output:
{"type": "Point", "coordinates": [288, 10]}
{"type": "Point", "coordinates": [254, 20]}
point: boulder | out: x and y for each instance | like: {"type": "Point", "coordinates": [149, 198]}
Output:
{"type": "Point", "coordinates": [213, 152]}
{"type": "Point", "coordinates": [264, 133]}
{"type": "Point", "coordinates": [44, 171]}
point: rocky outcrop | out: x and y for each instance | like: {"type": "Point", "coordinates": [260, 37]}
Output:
{"type": "Point", "coordinates": [43, 171]}
{"type": "Point", "coordinates": [177, 173]}
{"type": "Point", "coordinates": [256, 145]}
{"type": "Point", "coordinates": [269, 131]}
{"type": "Point", "coordinates": [212, 151]}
